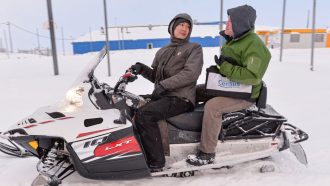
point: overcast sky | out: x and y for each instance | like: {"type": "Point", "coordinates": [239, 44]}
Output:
{"type": "Point", "coordinates": [77, 16]}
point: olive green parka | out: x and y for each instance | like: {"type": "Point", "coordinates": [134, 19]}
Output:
{"type": "Point", "coordinates": [250, 54]}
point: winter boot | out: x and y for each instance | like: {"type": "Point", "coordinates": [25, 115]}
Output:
{"type": "Point", "coordinates": [154, 168]}
{"type": "Point", "coordinates": [201, 158]}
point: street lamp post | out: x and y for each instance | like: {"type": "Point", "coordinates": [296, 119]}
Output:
{"type": "Point", "coordinates": [6, 43]}
{"type": "Point", "coordinates": [313, 35]}
{"type": "Point", "coordinates": [282, 30]}
{"type": "Point", "coordinates": [38, 40]}
{"type": "Point", "coordinates": [107, 36]}
{"type": "Point", "coordinates": [221, 27]}
{"type": "Point", "coordinates": [10, 38]}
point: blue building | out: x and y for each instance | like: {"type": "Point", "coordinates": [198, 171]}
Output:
{"type": "Point", "coordinates": [146, 37]}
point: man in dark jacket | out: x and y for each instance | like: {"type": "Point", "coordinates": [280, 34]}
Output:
{"type": "Point", "coordinates": [174, 71]}
{"type": "Point", "coordinates": [244, 59]}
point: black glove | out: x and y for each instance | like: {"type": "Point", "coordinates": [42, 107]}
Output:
{"type": "Point", "coordinates": [159, 90]}
{"type": "Point", "coordinates": [219, 60]}
{"type": "Point", "coordinates": [222, 59]}
{"type": "Point", "coordinates": [139, 68]}
{"type": "Point", "coordinates": [146, 96]}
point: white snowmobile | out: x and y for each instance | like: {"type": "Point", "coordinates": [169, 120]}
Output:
{"type": "Point", "coordinates": [92, 131]}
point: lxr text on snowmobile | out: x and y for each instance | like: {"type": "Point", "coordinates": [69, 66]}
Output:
{"type": "Point", "coordinates": [91, 131]}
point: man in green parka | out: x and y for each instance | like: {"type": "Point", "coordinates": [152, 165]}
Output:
{"type": "Point", "coordinates": [244, 59]}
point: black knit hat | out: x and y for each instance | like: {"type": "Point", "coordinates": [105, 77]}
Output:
{"type": "Point", "coordinates": [177, 22]}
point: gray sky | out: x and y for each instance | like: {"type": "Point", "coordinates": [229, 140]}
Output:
{"type": "Point", "coordinates": [77, 16]}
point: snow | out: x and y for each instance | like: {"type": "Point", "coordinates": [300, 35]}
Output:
{"type": "Point", "coordinates": [27, 83]}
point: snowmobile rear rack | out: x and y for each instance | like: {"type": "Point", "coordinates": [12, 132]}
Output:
{"type": "Point", "coordinates": [298, 134]}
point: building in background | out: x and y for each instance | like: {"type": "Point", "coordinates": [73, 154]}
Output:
{"type": "Point", "coordinates": [270, 37]}
{"type": "Point", "coordinates": [302, 38]}
{"type": "Point", "coordinates": [207, 34]}
{"type": "Point", "coordinates": [144, 37]}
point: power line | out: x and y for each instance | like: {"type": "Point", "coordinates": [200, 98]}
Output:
{"type": "Point", "coordinates": [27, 31]}
{"type": "Point", "coordinates": [33, 33]}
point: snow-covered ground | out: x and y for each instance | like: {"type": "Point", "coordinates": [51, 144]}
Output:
{"type": "Point", "coordinates": [27, 82]}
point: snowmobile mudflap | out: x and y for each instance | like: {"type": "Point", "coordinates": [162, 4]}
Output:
{"type": "Point", "coordinates": [299, 153]}
{"type": "Point", "coordinates": [296, 136]}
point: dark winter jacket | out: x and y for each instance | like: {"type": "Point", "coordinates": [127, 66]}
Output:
{"type": "Point", "coordinates": [177, 66]}
{"type": "Point", "coordinates": [250, 54]}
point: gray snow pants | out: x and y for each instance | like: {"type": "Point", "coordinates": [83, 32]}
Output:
{"type": "Point", "coordinates": [212, 119]}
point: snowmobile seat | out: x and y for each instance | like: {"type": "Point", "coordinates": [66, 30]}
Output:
{"type": "Point", "coordinates": [270, 112]}
{"type": "Point", "coordinates": [261, 103]}
{"type": "Point", "coordinates": [190, 121]}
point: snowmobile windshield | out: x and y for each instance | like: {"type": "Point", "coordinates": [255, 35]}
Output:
{"type": "Point", "coordinates": [88, 71]}
{"type": "Point", "coordinates": [75, 97]}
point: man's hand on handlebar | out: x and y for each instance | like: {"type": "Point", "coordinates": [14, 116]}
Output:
{"type": "Point", "coordinates": [129, 76]}
{"type": "Point", "coordinates": [139, 68]}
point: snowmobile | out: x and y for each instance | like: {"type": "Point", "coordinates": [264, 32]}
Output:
{"type": "Point", "coordinates": [91, 131]}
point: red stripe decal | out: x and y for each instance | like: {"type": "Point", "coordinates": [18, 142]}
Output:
{"type": "Point", "coordinates": [44, 122]}
{"type": "Point", "coordinates": [29, 126]}
{"type": "Point", "coordinates": [122, 146]}
{"type": "Point", "coordinates": [90, 133]}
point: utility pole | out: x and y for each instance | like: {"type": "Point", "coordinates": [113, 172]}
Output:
{"type": "Point", "coordinates": [63, 45]}
{"type": "Point", "coordinates": [307, 25]}
{"type": "Point", "coordinates": [313, 35]}
{"type": "Point", "coordinates": [107, 36]}
{"type": "Point", "coordinates": [221, 26]}
{"type": "Point", "coordinates": [91, 40]}
{"type": "Point", "coordinates": [282, 30]}
{"type": "Point", "coordinates": [10, 38]}
{"type": "Point", "coordinates": [38, 41]}
{"type": "Point", "coordinates": [6, 43]}
{"type": "Point", "coordinates": [52, 35]}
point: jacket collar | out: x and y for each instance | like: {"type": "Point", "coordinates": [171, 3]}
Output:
{"type": "Point", "coordinates": [228, 38]}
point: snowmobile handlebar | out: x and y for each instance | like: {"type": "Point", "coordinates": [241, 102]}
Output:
{"type": "Point", "coordinates": [128, 77]}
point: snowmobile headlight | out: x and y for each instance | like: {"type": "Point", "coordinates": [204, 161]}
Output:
{"type": "Point", "coordinates": [74, 96]}
{"type": "Point", "coordinates": [34, 144]}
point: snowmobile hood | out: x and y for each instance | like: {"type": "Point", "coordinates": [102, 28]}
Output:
{"type": "Point", "coordinates": [75, 107]}
{"type": "Point", "coordinates": [74, 125]}
{"type": "Point", "coordinates": [243, 19]}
